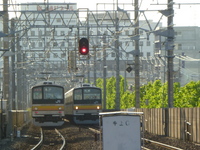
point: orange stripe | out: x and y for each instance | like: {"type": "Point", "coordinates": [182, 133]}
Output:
{"type": "Point", "coordinates": [47, 108]}
{"type": "Point", "coordinates": [87, 107]}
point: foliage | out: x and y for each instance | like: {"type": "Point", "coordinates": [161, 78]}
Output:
{"type": "Point", "coordinates": [152, 95]}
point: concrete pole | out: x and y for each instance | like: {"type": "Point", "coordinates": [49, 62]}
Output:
{"type": "Point", "coordinates": [170, 53]}
{"type": "Point", "coordinates": [5, 58]}
{"type": "Point", "coordinates": [137, 58]}
{"type": "Point", "coordinates": [117, 100]}
{"type": "Point", "coordinates": [13, 63]}
{"type": "Point", "coordinates": [88, 61]}
{"type": "Point", "coordinates": [95, 64]}
{"type": "Point", "coordinates": [104, 71]}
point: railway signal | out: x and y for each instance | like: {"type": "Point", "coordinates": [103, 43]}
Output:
{"type": "Point", "coordinates": [83, 46]}
{"type": "Point", "coordinates": [129, 69]}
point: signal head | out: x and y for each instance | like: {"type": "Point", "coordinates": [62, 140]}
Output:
{"type": "Point", "coordinates": [83, 46]}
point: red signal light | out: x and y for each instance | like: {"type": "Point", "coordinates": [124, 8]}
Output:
{"type": "Point", "coordinates": [83, 46]}
{"type": "Point", "coordinates": [84, 51]}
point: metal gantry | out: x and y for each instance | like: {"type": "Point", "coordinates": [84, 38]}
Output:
{"type": "Point", "coordinates": [45, 37]}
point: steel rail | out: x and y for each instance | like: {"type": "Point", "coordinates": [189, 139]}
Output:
{"type": "Point", "coordinates": [163, 145]}
{"type": "Point", "coordinates": [40, 142]}
{"type": "Point", "coordinates": [64, 143]}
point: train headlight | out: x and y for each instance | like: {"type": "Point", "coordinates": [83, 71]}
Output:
{"type": "Point", "coordinates": [98, 107]}
{"type": "Point", "coordinates": [59, 108]}
{"type": "Point", "coordinates": [36, 108]}
{"type": "Point", "coordinates": [76, 107]}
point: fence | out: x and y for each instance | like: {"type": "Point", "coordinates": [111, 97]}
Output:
{"type": "Point", "coordinates": [180, 123]}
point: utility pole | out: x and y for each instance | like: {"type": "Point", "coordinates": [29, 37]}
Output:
{"type": "Point", "coordinates": [117, 102]}
{"type": "Point", "coordinates": [5, 58]}
{"type": "Point", "coordinates": [95, 64]}
{"type": "Point", "coordinates": [6, 66]}
{"type": "Point", "coordinates": [13, 63]}
{"type": "Point", "coordinates": [104, 71]}
{"type": "Point", "coordinates": [117, 107]}
{"type": "Point", "coordinates": [137, 57]}
{"type": "Point", "coordinates": [88, 61]}
{"type": "Point", "coordinates": [19, 73]}
{"type": "Point", "coordinates": [170, 52]}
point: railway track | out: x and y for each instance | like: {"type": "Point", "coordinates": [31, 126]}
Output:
{"type": "Point", "coordinates": [155, 143]}
{"type": "Point", "coordinates": [158, 144]}
{"type": "Point", "coordinates": [50, 139]}
{"type": "Point", "coordinates": [77, 136]}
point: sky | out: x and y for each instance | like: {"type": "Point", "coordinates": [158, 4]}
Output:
{"type": "Point", "coordinates": [186, 13]}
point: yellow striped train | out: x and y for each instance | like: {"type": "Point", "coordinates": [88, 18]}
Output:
{"type": "Point", "coordinates": [83, 104]}
{"type": "Point", "coordinates": [50, 105]}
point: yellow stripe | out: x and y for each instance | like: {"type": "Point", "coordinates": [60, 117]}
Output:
{"type": "Point", "coordinates": [47, 108]}
{"type": "Point", "coordinates": [87, 107]}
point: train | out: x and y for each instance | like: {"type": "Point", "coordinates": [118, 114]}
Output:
{"type": "Point", "coordinates": [83, 104]}
{"type": "Point", "coordinates": [47, 104]}
{"type": "Point", "coordinates": [51, 105]}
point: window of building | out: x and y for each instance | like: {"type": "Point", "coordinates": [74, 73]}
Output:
{"type": "Point", "coordinates": [179, 46]}
{"type": "Point", "coordinates": [58, 19]}
{"type": "Point", "coordinates": [141, 43]}
{"type": "Point", "coordinates": [33, 44]}
{"type": "Point", "coordinates": [40, 55]}
{"type": "Point", "coordinates": [40, 33]}
{"type": "Point", "coordinates": [32, 33]}
{"type": "Point", "coordinates": [40, 44]}
{"type": "Point", "coordinates": [127, 32]}
{"type": "Point", "coordinates": [47, 55]}
{"type": "Point", "coordinates": [107, 54]}
{"type": "Point", "coordinates": [55, 33]}
{"type": "Point", "coordinates": [178, 33]}
{"type": "Point", "coordinates": [120, 54]}
{"type": "Point", "coordinates": [48, 33]}
{"type": "Point", "coordinates": [148, 54]}
{"type": "Point", "coordinates": [62, 44]}
{"type": "Point", "coordinates": [48, 44]}
{"type": "Point", "coordinates": [112, 54]}
{"type": "Point", "coordinates": [33, 55]}
{"type": "Point", "coordinates": [62, 32]}
{"type": "Point", "coordinates": [55, 55]}
{"type": "Point", "coordinates": [99, 54]}
{"type": "Point", "coordinates": [83, 32]}
{"type": "Point", "coordinates": [70, 43]}
{"type": "Point", "coordinates": [127, 55]}
{"type": "Point", "coordinates": [63, 55]}
{"type": "Point", "coordinates": [55, 44]}
{"type": "Point", "coordinates": [148, 43]}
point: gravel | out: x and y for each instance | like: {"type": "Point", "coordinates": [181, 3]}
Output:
{"type": "Point", "coordinates": [82, 139]}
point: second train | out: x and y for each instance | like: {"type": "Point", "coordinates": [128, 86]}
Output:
{"type": "Point", "coordinates": [83, 104]}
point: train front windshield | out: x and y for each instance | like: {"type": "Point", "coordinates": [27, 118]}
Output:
{"type": "Point", "coordinates": [42, 94]}
{"type": "Point", "coordinates": [53, 93]}
{"type": "Point", "coordinates": [87, 95]}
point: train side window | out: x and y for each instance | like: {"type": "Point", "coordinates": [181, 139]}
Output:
{"type": "Point", "coordinates": [37, 93]}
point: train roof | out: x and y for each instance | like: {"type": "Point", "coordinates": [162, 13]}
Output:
{"type": "Point", "coordinates": [47, 83]}
{"type": "Point", "coordinates": [83, 85]}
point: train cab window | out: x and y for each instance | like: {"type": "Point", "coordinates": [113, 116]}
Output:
{"type": "Point", "coordinates": [53, 93]}
{"type": "Point", "coordinates": [92, 94]}
{"type": "Point", "coordinates": [37, 93]}
{"type": "Point", "coordinates": [78, 94]}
